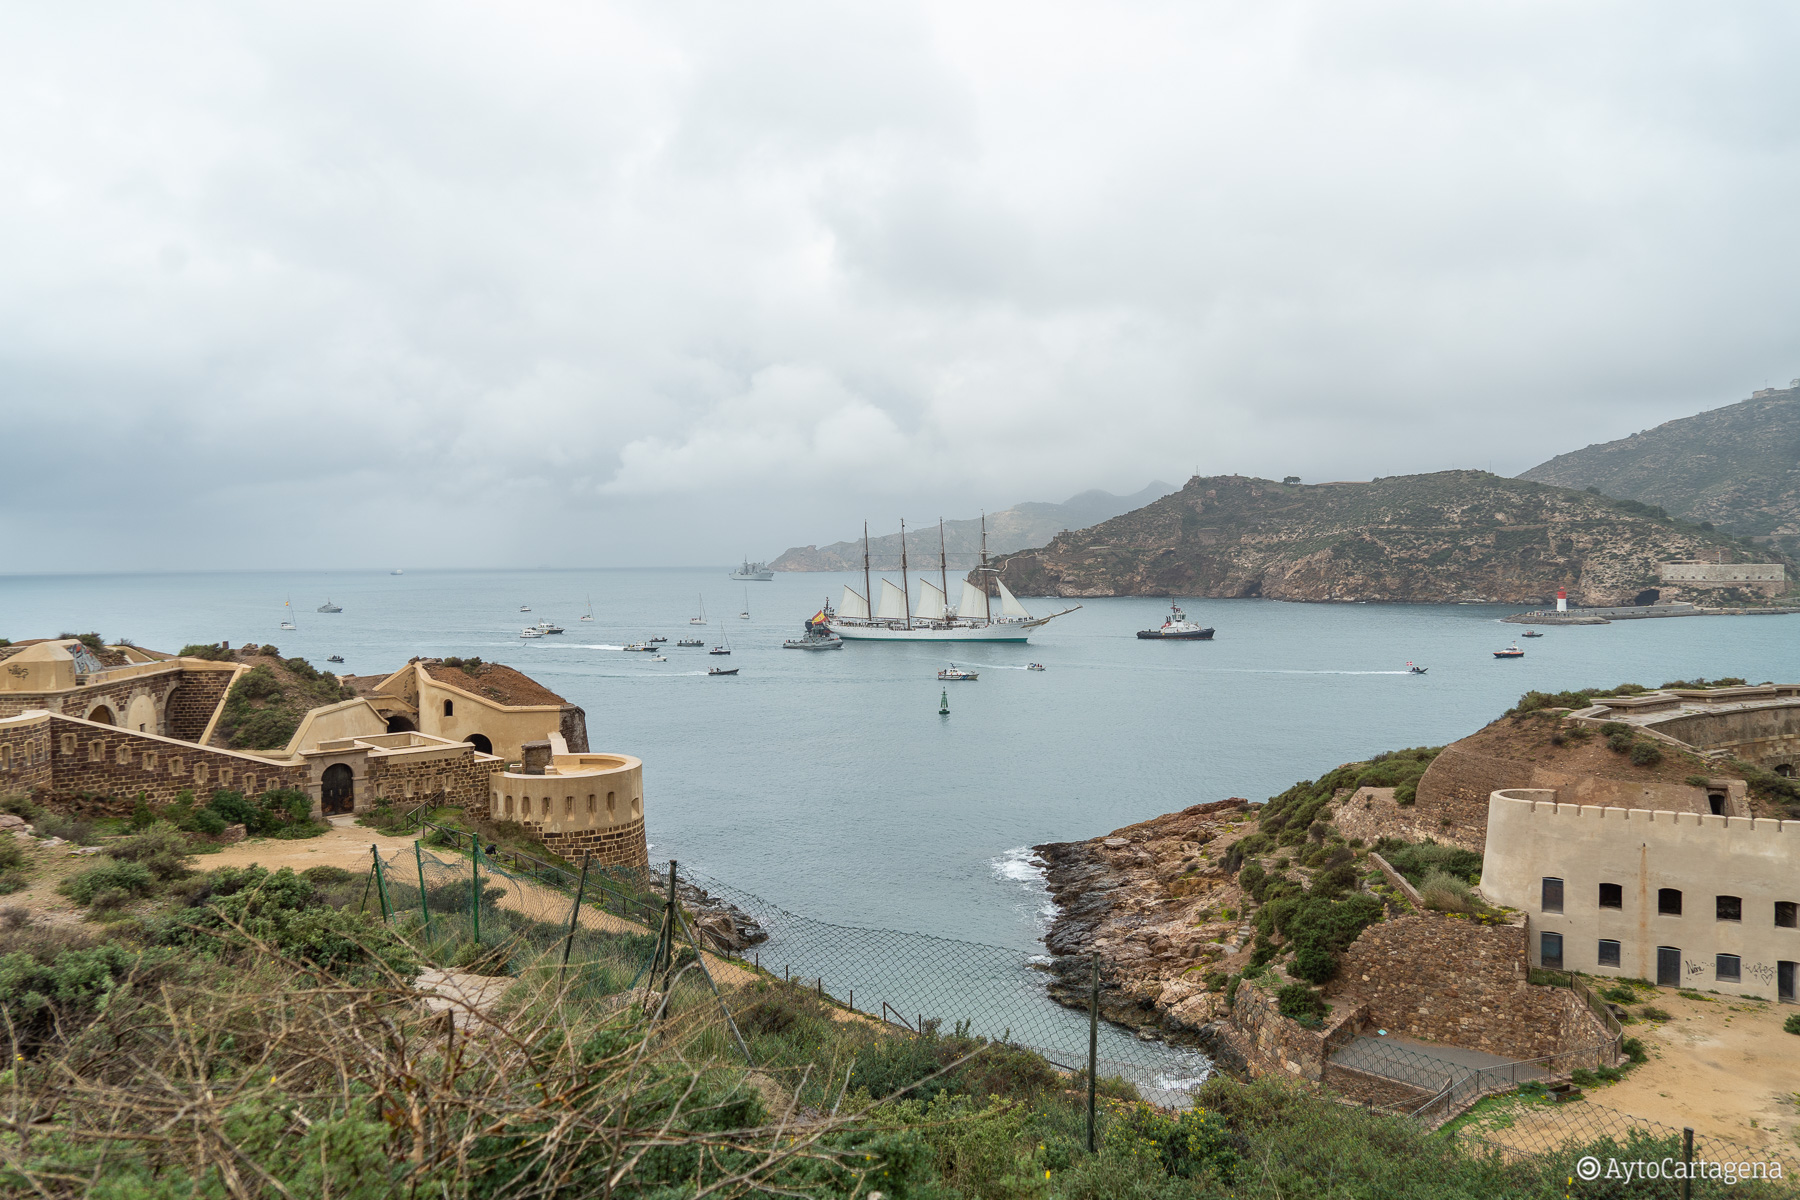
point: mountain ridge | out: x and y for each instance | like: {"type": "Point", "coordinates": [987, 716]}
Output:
{"type": "Point", "coordinates": [1736, 467]}
{"type": "Point", "coordinates": [1443, 537]}
{"type": "Point", "coordinates": [1028, 524]}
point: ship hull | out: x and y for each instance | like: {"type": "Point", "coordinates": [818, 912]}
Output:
{"type": "Point", "coordinates": [882, 633]}
{"type": "Point", "coordinates": [1157, 635]}
{"type": "Point", "coordinates": [753, 576]}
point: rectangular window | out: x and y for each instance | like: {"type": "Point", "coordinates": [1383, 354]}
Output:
{"type": "Point", "coordinates": [1787, 914]}
{"type": "Point", "coordinates": [1728, 908]}
{"type": "Point", "coordinates": [175, 765]}
{"type": "Point", "coordinates": [1609, 952]}
{"type": "Point", "coordinates": [68, 743]}
{"type": "Point", "coordinates": [1550, 950]}
{"type": "Point", "coordinates": [1612, 895]}
{"type": "Point", "coordinates": [149, 760]}
{"type": "Point", "coordinates": [1668, 902]}
{"type": "Point", "coordinates": [1552, 895]}
{"type": "Point", "coordinates": [96, 751]}
{"type": "Point", "coordinates": [124, 756]}
{"type": "Point", "coordinates": [1729, 970]}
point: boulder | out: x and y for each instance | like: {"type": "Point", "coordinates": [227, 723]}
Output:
{"type": "Point", "coordinates": [233, 833]}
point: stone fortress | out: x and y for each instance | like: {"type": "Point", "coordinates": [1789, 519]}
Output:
{"type": "Point", "coordinates": [1672, 879]}
{"type": "Point", "coordinates": [93, 729]}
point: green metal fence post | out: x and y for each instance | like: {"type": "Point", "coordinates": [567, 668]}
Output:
{"type": "Point", "coordinates": [419, 858]}
{"type": "Point", "coordinates": [1093, 1048]}
{"type": "Point", "coordinates": [669, 932]}
{"type": "Point", "coordinates": [1687, 1160]}
{"type": "Point", "coordinates": [475, 884]}
{"type": "Point", "coordinates": [574, 912]}
{"type": "Point", "coordinates": [387, 912]}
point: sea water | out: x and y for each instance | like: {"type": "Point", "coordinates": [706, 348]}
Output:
{"type": "Point", "coordinates": [828, 783]}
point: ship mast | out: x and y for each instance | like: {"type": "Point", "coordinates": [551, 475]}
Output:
{"type": "Point", "coordinates": [943, 568]}
{"type": "Point", "coordinates": [987, 609]}
{"type": "Point", "coordinates": [868, 596]}
{"type": "Point", "coordinates": [905, 598]}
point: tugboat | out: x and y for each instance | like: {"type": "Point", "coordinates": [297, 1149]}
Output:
{"type": "Point", "coordinates": [690, 642]}
{"type": "Point", "coordinates": [723, 671]}
{"type": "Point", "coordinates": [1034, 666]}
{"type": "Point", "coordinates": [1511, 651]}
{"type": "Point", "coordinates": [1178, 629]}
{"type": "Point", "coordinates": [817, 635]}
{"type": "Point", "coordinates": [1412, 670]}
{"type": "Point", "coordinates": [955, 674]}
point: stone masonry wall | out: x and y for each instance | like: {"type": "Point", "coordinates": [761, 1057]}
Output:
{"type": "Point", "coordinates": [192, 706]}
{"type": "Point", "coordinates": [1453, 793]}
{"type": "Point", "coordinates": [99, 768]}
{"type": "Point", "coordinates": [573, 728]}
{"type": "Point", "coordinates": [620, 846]}
{"type": "Point", "coordinates": [1443, 979]}
{"type": "Point", "coordinates": [1285, 1043]}
{"type": "Point", "coordinates": [25, 757]}
{"type": "Point", "coordinates": [458, 778]}
{"type": "Point", "coordinates": [77, 702]}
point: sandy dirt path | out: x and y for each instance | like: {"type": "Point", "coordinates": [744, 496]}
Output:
{"type": "Point", "coordinates": [1723, 1066]}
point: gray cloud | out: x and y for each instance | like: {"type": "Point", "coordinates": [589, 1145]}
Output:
{"type": "Point", "coordinates": [667, 281]}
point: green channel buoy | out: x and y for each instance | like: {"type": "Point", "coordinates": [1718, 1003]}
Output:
{"type": "Point", "coordinates": [944, 702]}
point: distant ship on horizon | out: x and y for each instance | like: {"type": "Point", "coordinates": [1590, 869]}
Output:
{"type": "Point", "coordinates": [759, 572]}
{"type": "Point", "coordinates": [932, 619]}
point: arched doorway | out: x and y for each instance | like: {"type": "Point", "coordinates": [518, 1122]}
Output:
{"type": "Point", "coordinates": [1785, 770]}
{"type": "Point", "coordinates": [337, 793]}
{"type": "Point", "coordinates": [480, 742]}
{"type": "Point", "coordinates": [140, 715]}
{"type": "Point", "coordinates": [399, 724]}
{"type": "Point", "coordinates": [103, 715]}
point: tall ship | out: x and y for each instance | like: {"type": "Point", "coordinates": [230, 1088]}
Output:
{"type": "Point", "coordinates": [898, 618]}
{"type": "Point", "coordinates": [759, 572]}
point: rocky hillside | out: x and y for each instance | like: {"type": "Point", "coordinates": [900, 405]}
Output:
{"type": "Point", "coordinates": [1736, 467]}
{"type": "Point", "coordinates": [1448, 536]}
{"type": "Point", "coordinates": [1030, 524]}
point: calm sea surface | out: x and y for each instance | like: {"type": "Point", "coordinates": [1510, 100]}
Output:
{"type": "Point", "coordinates": [829, 784]}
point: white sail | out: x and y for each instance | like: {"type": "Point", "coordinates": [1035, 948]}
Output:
{"type": "Point", "coordinates": [893, 603]}
{"type": "Point", "coordinates": [931, 602]}
{"type": "Point", "coordinates": [1009, 604]}
{"type": "Point", "coordinates": [974, 605]}
{"type": "Point", "coordinates": [853, 605]}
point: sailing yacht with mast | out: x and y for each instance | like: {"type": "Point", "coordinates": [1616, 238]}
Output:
{"type": "Point", "coordinates": [932, 619]}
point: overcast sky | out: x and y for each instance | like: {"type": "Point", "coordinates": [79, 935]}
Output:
{"type": "Point", "coordinates": [611, 284]}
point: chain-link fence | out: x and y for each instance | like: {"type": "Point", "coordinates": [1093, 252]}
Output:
{"type": "Point", "coordinates": [490, 908]}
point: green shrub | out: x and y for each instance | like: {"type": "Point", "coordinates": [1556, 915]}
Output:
{"type": "Point", "coordinates": [1620, 994]}
{"type": "Point", "coordinates": [324, 875]}
{"type": "Point", "coordinates": [213, 653]}
{"type": "Point", "coordinates": [1445, 892]}
{"type": "Point", "coordinates": [1646, 754]}
{"type": "Point", "coordinates": [1314, 965]}
{"type": "Point", "coordinates": [79, 830]}
{"type": "Point", "coordinates": [1792, 1024]}
{"type": "Point", "coordinates": [1634, 1050]}
{"type": "Point", "coordinates": [19, 806]}
{"type": "Point", "coordinates": [1415, 861]}
{"type": "Point", "coordinates": [284, 911]}
{"type": "Point", "coordinates": [132, 878]}
{"type": "Point", "coordinates": [1303, 1004]}
{"type": "Point", "coordinates": [161, 847]}
{"type": "Point", "coordinates": [1651, 1012]}
{"type": "Point", "coordinates": [1188, 1144]}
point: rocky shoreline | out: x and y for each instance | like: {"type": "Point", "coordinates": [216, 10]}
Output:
{"type": "Point", "coordinates": [1154, 904]}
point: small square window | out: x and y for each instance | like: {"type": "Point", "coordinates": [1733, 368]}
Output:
{"type": "Point", "coordinates": [1668, 902]}
{"type": "Point", "coordinates": [1729, 969]}
{"type": "Point", "coordinates": [1612, 895]}
{"type": "Point", "coordinates": [1553, 895]}
{"type": "Point", "coordinates": [1609, 952]}
{"type": "Point", "coordinates": [1550, 950]}
{"type": "Point", "coordinates": [1729, 908]}
{"type": "Point", "coordinates": [1787, 914]}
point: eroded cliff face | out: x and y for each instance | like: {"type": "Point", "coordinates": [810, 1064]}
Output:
{"type": "Point", "coordinates": [1446, 537]}
{"type": "Point", "coordinates": [1153, 903]}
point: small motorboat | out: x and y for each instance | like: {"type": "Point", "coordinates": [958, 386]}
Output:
{"type": "Point", "coordinates": [1416, 670]}
{"type": "Point", "coordinates": [328, 606]}
{"type": "Point", "coordinates": [657, 641]}
{"type": "Point", "coordinates": [549, 627]}
{"type": "Point", "coordinates": [659, 658]}
{"type": "Point", "coordinates": [690, 642]}
{"type": "Point", "coordinates": [637, 647]}
{"type": "Point", "coordinates": [723, 671]}
{"type": "Point", "coordinates": [531, 631]}
{"type": "Point", "coordinates": [524, 608]}
{"type": "Point", "coordinates": [1511, 651]}
{"type": "Point", "coordinates": [720, 650]}
{"type": "Point", "coordinates": [335, 658]}
{"type": "Point", "coordinates": [1034, 666]}
{"type": "Point", "coordinates": [1531, 633]}
{"type": "Point", "coordinates": [955, 674]}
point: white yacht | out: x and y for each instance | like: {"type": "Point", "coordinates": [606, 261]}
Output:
{"type": "Point", "coordinates": [531, 631]}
